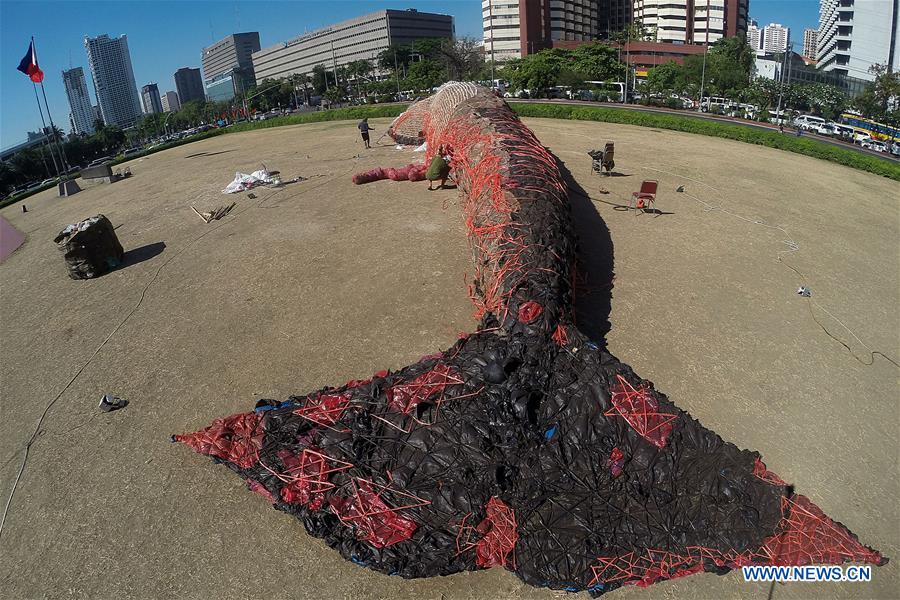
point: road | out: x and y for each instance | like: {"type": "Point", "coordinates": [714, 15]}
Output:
{"type": "Point", "coordinates": [709, 117]}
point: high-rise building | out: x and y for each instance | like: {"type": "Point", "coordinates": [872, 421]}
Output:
{"type": "Point", "coordinates": [692, 21]}
{"type": "Point", "coordinates": [170, 102]}
{"type": "Point", "coordinates": [755, 37]}
{"type": "Point", "coordinates": [776, 38]}
{"type": "Point", "coordinates": [503, 28]}
{"type": "Point", "coordinates": [515, 28]}
{"type": "Point", "coordinates": [82, 110]}
{"type": "Point", "coordinates": [856, 34]}
{"type": "Point", "coordinates": [189, 85]}
{"type": "Point", "coordinates": [809, 42]}
{"type": "Point", "coordinates": [228, 65]}
{"type": "Point", "coordinates": [113, 76]}
{"type": "Point", "coordinates": [151, 100]}
{"type": "Point", "coordinates": [362, 38]}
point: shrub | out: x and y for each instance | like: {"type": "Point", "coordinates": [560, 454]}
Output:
{"type": "Point", "coordinates": [337, 114]}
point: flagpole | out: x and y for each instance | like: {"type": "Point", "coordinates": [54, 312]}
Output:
{"type": "Point", "coordinates": [59, 148]}
{"type": "Point", "coordinates": [62, 154]}
{"type": "Point", "coordinates": [44, 126]}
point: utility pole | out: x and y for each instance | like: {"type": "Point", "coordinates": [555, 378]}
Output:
{"type": "Point", "coordinates": [334, 65]}
{"type": "Point", "coordinates": [491, 20]}
{"type": "Point", "coordinates": [397, 73]}
{"type": "Point", "coordinates": [705, 53]}
{"type": "Point", "coordinates": [784, 63]}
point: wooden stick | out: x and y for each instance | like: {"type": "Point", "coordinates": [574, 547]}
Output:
{"type": "Point", "coordinates": [205, 220]}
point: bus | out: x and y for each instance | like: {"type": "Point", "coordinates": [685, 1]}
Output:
{"type": "Point", "coordinates": [875, 130]}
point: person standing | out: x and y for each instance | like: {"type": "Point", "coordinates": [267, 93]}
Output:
{"type": "Point", "coordinates": [364, 131]}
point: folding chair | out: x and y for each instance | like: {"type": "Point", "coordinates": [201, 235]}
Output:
{"type": "Point", "coordinates": [645, 199]}
{"type": "Point", "coordinates": [603, 159]}
{"type": "Point", "coordinates": [596, 161]}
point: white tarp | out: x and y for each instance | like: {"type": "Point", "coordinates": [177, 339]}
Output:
{"type": "Point", "coordinates": [243, 182]}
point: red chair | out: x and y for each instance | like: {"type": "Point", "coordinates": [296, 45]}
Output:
{"type": "Point", "coordinates": [645, 199]}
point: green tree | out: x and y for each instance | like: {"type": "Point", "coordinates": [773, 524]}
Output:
{"type": "Point", "coordinates": [827, 100]}
{"type": "Point", "coordinates": [666, 78]}
{"type": "Point", "coordinates": [425, 74]}
{"type": "Point", "coordinates": [464, 60]}
{"type": "Point", "coordinates": [319, 80]}
{"type": "Point", "coordinates": [335, 94]}
{"type": "Point", "coordinates": [762, 92]}
{"type": "Point", "coordinates": [394, 58]}
{"type": "Point", "coordinates": [595, 62]}
{"type": "Point", "coordinates": [886, 86]}
{"type": "Point", "coordinates": [534, 72]}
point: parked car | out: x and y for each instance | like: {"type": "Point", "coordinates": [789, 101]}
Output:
{"type": "Point", "coordinates": [876, 145]}
{"type": "Point", "coordinates": [808, 122]}
{"type": "Point", "coordinates": [49, 181]}
{"type": "Point", "coordinates": [842, 131]}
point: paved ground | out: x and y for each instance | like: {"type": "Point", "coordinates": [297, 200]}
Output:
{"type": "Point", "coordinates": [10, 239]}
{"type": "Point", "coordinates": [322, 281]}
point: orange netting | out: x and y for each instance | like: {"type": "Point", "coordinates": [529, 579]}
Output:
{"type": "Point", "coordinates": [408, 128]}
{"type": "Point", "coordinates": [641, 410]}
{"type": "Point", "coordinates": [807, 537]}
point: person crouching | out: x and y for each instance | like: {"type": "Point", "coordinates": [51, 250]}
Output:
{"type": "Point", "coordinates": [439, 169]}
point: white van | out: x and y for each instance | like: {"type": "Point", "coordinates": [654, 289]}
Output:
{"type": "Point", "coordinates": [809, 122]}
{"type": "Point", "coordinates": [842, 131]}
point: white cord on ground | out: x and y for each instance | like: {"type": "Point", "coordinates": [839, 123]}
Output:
{"type": "Point", "coordinates": [81, 369]}
{"type": "Point", "coordinates": [792, 246]}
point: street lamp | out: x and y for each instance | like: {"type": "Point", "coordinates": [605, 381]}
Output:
{"type": "Point", "coordinates": [166, 122]}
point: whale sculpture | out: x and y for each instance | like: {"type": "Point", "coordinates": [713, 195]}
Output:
{"type": "Point", "coordinates": [524, 445]}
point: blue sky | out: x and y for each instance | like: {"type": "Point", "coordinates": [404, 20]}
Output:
{"type": "Point", "coordinates": [166, 35]}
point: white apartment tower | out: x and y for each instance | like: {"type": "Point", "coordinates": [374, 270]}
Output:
{"type": "Point", "coordinates": [113, 76]}
{"type": "Point", "coordinates": [502, 33]}
{"type": "Point", "coordinates": [82, 110]}
{"type": "Point", "coordinates": [755, 37]}
{"type": "Point", "coordinates": [856, 34]}
{"type": "Point", "coordinates": [809, 42]}
{"type": "Point", "coordinates": [692, 21]}
{"type": "Point", "coordinates": [776, 38]}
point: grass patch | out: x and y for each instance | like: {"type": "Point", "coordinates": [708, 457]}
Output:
{"type": "Point", "coordinates": [750, 135]}
{"type": "Point", "coordinates": [23, 195]}
{"type": "Point", "coordinates": [337, 114]}
{"type": "Point", "coordinates": [194, 138]}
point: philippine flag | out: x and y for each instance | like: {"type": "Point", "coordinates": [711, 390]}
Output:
{"type": "Point", "coordinates": [29, 65]}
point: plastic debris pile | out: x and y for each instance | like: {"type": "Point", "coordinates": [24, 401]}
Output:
{"type": "Point", "coordinates": [90, 248]}
{"type": "Point", "coordinates": [524, 445]}
{"type": "Point", "coordinates": [243, 182]}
